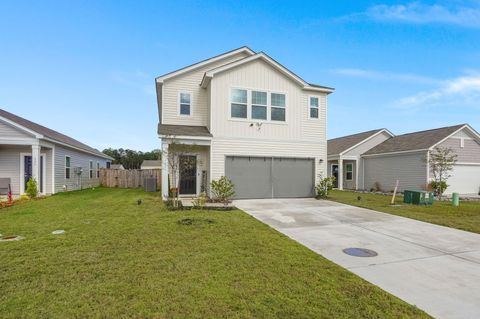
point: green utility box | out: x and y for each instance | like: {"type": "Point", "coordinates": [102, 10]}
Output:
{"type": "Point", "coordinates": [407, 197]}
{"type": "Point", "coordinates": [417, 197]}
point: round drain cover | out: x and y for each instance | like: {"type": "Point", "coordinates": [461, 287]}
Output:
{"type": "Point", "coordinates": [360, 252]}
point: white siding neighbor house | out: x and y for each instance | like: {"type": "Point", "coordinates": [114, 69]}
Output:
{"type": "Point", "coordinates": [57, 162]}
{"type": "Point", "coordinates": [383, 159]}
{"type": "Point", "coordinates": [251, 119]}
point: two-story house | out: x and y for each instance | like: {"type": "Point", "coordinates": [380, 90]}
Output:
{"type": "Point", "coordinates": [251, 119]}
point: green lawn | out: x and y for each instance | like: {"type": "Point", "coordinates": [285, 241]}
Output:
{"type": "Point", "coordinates": [465, 217]}
{"type": "Point", "coordinates": [118, 259]}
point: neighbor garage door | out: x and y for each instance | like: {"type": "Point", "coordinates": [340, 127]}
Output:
{"type": "Point", "coordinates": [465, 179]}
{"type": "Point", "coordinates": [270, 177]}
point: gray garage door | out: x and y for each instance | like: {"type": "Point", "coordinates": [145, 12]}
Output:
{"type": "Point", "coordinates": [267, 177]}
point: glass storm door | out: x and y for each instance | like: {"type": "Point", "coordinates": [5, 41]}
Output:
{"type": "Point", "coordinates": [188, 175]}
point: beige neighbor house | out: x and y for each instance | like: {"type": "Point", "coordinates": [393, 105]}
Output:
{"type": "Point", "coordinates": [382, 159]}
{"type": "Point", "coordinates": [151, 164]}
{"type": "Point", "coordinates": [57, 162]}
{"type": "Point", "coordinates": [252, 119]}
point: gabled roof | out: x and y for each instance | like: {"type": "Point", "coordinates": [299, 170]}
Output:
{"type": "Point", "coordinates": [202, 63]}
{"type": "Point", "coordinates": [46, 133]}
{"type": "Point", "coordinates": [264, 57]}
{"type": "Point", "coordinates": [151, 163]}
{"type": "Point", "coordinates": [183, 130]}
{"type": "Point", "coordinates": [341, 144]}
{"type": "Point", "coordinates": [422, 140]}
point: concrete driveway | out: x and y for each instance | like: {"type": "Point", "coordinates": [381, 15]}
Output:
{"type": "Point", "coordinates": [433, 267]}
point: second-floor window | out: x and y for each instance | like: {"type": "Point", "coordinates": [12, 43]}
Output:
{"type": "Point", "coordinates": [314, 106]}
{"type": "Point", "coordinates": [185, 103]}
{"type": "Point", "coordinates": [239, 104]}
{"type": "Point", "coordinates": [258, 105]}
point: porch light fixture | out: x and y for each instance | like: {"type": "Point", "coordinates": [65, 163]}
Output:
{"type": "Point", "coordinates": [320, 160]}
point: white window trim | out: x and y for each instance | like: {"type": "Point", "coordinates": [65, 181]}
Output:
{"type": "Point", "coordinates": [90, 170]}
{"type": "Point", "coordinates": [249, 106]}
{"type": "Point", "coordinates": [97, 172]}
{"type": "Point", "coordinates": [69, 168]}
{"type": "Point", "coordinates": [346, 172]}
{"type": "Point", "coordinates": [310, 107]}
{"type": "Point", "coordinates": [179, 106]}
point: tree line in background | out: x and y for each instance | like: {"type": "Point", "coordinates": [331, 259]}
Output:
{"type": "Point", "coordinates": [131, 159]}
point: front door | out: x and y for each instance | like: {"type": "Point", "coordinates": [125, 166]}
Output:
{"type": "Point", "coordinates": [27, 172]}
{"type": "Point", "coordinates": [188, 175]}
{"type": "Point", "coordinates": [335, 174]}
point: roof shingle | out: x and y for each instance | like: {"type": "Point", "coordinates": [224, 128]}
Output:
{"type": "Point", "coordinates": [414, 141]}
{"type": "Point", "coordinates": [51, 134]}
{"type": "Point", "coordinates": [183, 130]}
{"type": "Point", "coordinates": [340, 144]}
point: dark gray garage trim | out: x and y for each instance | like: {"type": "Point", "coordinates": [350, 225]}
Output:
{"type": "Point", "coordinates": [271, 177]}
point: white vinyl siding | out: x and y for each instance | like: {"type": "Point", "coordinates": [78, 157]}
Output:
{"type": "Point", "coordinates": [7, 130]}
{"type": "Point", "coordinates": [259, 76]}
{"type": "Point", "coordinates": [189, 82]}
{"type": "Point", "coordinates": [469, 153]}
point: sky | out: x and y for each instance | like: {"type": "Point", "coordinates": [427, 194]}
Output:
{"type": "Point", "coordinates": [87, 68]}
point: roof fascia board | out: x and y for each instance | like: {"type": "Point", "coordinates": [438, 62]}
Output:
{"type": "Point", "coordinates": [261, 55]}
{"type": "Point", "coordinates": [366, 140]}
{"type": "Point", "coordinates": [192, 67]}
{"type": "Point", "coordinates": [16, 125]}
{"type": "Point", "coordinates": [394, 153]}
{"type": "Point", "coordinates": [76, 148]}
{"type": "Point", "coordinates": [466, 126]}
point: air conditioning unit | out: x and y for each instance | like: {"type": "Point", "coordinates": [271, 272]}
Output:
{"type": "Point", "coordinates": [78, 170]}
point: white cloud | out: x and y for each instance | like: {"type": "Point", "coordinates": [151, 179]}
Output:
{"type": "Point", "coordinates": [418, 13]}
{"type": "Point", "coordinates": [377, 75]}
{"type": "Point", "coordinates": [461, 91]}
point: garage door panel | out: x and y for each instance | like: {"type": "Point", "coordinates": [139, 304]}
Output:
{"type": "Point", "coordinates": [292, 177]}
{"type": "Point", "coordinates": [465, 179]}
{"type": "Point", "coordinates": [250, 175]}
{"type": "Point", "coordinates": [266, 177]}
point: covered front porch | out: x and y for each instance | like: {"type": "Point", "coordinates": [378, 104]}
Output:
{"type": "Point", "coordinates": [346, 170]}
{"type": "Point", "coordinates": [185, 166]}
{"type": "Point", "coordinates": [22, 159]}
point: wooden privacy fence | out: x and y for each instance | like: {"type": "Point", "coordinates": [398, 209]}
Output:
{"type": "Point", "coordinates": [128, 178]}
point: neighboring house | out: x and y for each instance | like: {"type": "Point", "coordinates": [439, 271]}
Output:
{"type": "Point", "coordinates": [56, 161]}
{"type": "Point", "coordinates": [151, 164]}
{"type": "Point", "coordinates": [116, 166]}
{"type": "Point", "coordinates": [344, 156]}
{"type": "Point", "coordinates": [404, 158]}
{"type": "Point", "coordinates": [252, 119]}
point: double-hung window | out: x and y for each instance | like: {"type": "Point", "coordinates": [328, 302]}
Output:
{"type": "Point", "coordinates": [185, 103]}
{"type": "Point", "coordinates": [259, 105]}
{"type": "Point", "coordinates": [278, 107]}
{"type": "Point", "coordinates": [67, 167]}
{"type": "Point", "coordinates": [239, 104]}
{"type": "Point", "coordinates": [349, 172]}
{"type": "Point", "coordinates": [98, 170]}
{"type": "Point", "coordinates": [91, 169]}
{"type": "Point", "coordinates": [314, 106]}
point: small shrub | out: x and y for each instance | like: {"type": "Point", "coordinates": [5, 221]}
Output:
{"type": "Point", "coordinates": [32, 189]}
{"type": "Point", "coordinates": [173, 204]}
{"type": "Point", "coordinates": [324, 186]}
{"type": "Point", "coordinates": [376, 187]}
{"type": "Point", "coordinates": [200, 201]}
{"type": "Point", "coordinates": [223, 190]}
{"type": "Point", "coordinates": [438, 187]}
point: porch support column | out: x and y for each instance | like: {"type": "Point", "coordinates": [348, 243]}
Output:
{"type": "Point", "coordinates": [340, 173]}
{"type": "Point", "coordinates": [165, 170]}
{"type": "Point", "coordinates": [357, 172]}
{"type": "Point", "coordinates": [36, 164]}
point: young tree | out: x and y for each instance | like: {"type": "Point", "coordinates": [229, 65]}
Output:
{"type": "Point", "coordinates": [175, 153]}
{"type": "Point", "coordinates": [441, 162]}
